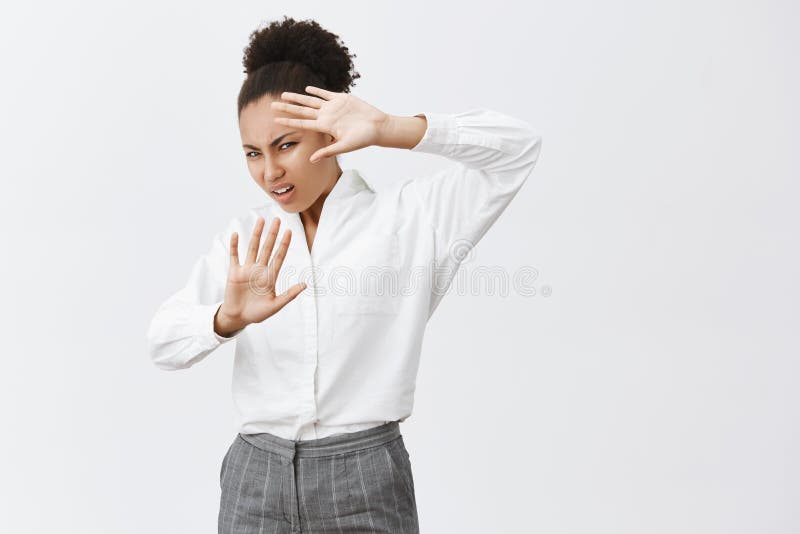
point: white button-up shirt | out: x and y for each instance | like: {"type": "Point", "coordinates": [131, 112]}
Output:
{"type": "Point", "coordinates": [343, 355]}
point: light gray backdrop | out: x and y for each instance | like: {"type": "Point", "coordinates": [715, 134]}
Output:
{"type": "Point", "coordinates": [654, 390]}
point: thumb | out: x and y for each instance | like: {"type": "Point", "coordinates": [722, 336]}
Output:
{"type": "Point", "coordinates": [284, 298]}
{"type": "Point", "coordinates": [330, 150]}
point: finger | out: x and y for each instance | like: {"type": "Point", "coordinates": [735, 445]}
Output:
{"type": "Point", "coordinates": [269, 242]}
{"type": "Point", "coordinates": [234, 249]}
{"type": "Point", "coordinates": [303, 124]}
{"type": "Point", "coordinates": [284, 298]}
{"type": "Point", "coordinates": [328, 151]}
{"type": "Point", "coordinates": [320, 92]}
{"type": "Point", "coordinates": [297, 110]}
{"type": "Point", "coordinates": [277, 259]}
{"type": "Point", "coordinates": [310, 101]}
{"type": "Point", "coordinates": [255, 239]}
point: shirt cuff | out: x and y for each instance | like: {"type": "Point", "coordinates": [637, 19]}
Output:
{"type": "Point", "coordinates": [442, 130]}
{"type": "Point", "coordinates": [205, 323]}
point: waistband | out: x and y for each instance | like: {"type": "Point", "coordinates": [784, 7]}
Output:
{"type": "Point", "coordinates": [327, 446]}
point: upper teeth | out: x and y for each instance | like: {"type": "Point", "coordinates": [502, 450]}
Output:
{"type": "Point", "coordinates": [283, 190]}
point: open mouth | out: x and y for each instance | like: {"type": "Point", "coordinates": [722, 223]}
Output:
{"type": "Point", "coordinates": [283, 191]}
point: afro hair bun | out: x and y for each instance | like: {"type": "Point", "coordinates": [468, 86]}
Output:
{"type": "Point", "coordinates": [304, 42]}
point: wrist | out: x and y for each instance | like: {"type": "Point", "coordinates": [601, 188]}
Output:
{"type": "Point", "coordinates": [225, 325]}
{"type": "Point", "coordinates": [402, 132]}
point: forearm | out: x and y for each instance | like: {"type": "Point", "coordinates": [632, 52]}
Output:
{"type": "Point", "coordinates": [402, 132]}
{"type": "Point", "coordinates": [181, 333]}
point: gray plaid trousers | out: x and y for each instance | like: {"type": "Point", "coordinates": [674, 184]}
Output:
{"type": "Point", "coordinates": [346, 483]}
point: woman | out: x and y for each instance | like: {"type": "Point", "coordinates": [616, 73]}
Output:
{"type": "Point", "coordinates": [324, 371]}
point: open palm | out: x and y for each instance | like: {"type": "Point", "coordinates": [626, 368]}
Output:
{"type": "Point", "coordinates": [352, 122]}
{"type": "Point", "coordinates": [250, 289]}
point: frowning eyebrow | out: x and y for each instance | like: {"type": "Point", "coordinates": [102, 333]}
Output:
{"type": "Point", "coordinates": [275, 142]}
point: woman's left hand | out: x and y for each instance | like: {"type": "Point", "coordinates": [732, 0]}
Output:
{"type": "Point", "coordinates": [352, 122]}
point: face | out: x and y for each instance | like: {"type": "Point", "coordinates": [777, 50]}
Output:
{"type": "Point", "coordinates": [278, 155]}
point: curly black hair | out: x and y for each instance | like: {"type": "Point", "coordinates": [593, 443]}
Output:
{"type": "Point", "coordinates": [289, 55]}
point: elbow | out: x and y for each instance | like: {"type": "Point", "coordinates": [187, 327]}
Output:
{"type": "Point", "coordinates": [523, 152]}
{"type": "Point", "coordinates": [176, 354]}
{"type": "Point", "coordinates": [165, 355]}
{"type": "Point", "coordinates": [527, 142]}
{"type": "Point", "coordinates": [530, 155]}
{"type": "Point", "coordinates": [177, 340]}
{"type": "Point", "coordinates": [526, 160]}
{"type": "Point", "coordinates": [167, 363]}
{"type": "Point", "coordinates": [533, 147]}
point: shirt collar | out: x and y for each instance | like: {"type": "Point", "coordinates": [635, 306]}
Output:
{"type": "Point", "coordinates": [349, 184]}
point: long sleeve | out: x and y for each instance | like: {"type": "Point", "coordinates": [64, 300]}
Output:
{"type": "Point", "coordinates": [494, 154]}
{"type": "Point", "coordinates": [181, 333]}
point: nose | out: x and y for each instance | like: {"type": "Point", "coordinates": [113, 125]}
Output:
{"type": "Point", "coordinates": [272, 172]}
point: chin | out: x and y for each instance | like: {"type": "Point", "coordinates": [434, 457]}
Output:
{"type": "Point", "coordinates": [290, 209]}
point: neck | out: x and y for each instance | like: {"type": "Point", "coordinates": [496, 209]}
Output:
{"type": "Point", "coordinates": [314, 212]}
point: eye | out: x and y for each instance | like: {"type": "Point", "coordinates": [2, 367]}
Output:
{"type": "Point", "coordinates": [248, 154]}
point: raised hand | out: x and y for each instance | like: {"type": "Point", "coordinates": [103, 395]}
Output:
{"type": "Point", "coordinates": [250, 289]}
{"type": "Point", "coordinates": [352, 122]}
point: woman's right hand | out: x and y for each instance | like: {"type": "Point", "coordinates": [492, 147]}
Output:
{"type": "Point", "coordinates": [250, 289]}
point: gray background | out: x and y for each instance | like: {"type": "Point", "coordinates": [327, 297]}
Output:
{"type": "Point", "coordinates": [651, 391]}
